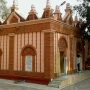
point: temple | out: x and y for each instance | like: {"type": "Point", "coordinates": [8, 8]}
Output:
{"type": "Point", "coordinates": [40, 49]}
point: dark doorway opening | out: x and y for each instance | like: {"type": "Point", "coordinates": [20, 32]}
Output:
{"type": "Point", "coordinates": [62, 62]}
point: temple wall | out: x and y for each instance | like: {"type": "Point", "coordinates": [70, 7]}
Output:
{"type": "Point", "coordinates": [36, 39]}
{"type": "Point", "coordinates": [4, 46]}
{"type": "Point", "coordinates": [75, 56]}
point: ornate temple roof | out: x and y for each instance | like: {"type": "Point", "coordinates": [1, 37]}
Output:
{"type": "Point", "coordinates": [15, 14]}
{"type": "Point", "coordinates": [14, 17]}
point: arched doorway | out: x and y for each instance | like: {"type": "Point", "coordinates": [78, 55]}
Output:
{"type": "Point", "coordinates": [62, 49]}
{"type": "Point", "coordinates": [28, 58]}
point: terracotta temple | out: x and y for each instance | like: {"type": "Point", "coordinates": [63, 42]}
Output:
{"type": "Point", "coordinates": [40, 49]}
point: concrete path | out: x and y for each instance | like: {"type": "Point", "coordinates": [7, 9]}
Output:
{"type": "Point", "coordinates": [83, 85]}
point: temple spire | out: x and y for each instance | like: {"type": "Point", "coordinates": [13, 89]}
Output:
{"type": "Point", "coordinates": [57, 10]}
{"type": "Point", "coordinates": [48, 12]}
{"type": "Point", "coordinates": [48, 4]}
{"type": "Point", "coordinates": [57, 13]}
{"type": "Point", "coordinates": [14, 6]}
{"type": "Point", "coordinates": [68, 6]}
{"type": "Point", "coordinates": [33, 8]}
{"type": "Point", "coordinates": [13, 2]}
{"type": "Point", "coordinates": [32, 14]}
{"type": "Point", "coordinates": [68, 14]}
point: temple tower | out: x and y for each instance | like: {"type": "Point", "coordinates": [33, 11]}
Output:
{"type": "Point", "coordinates": [68, 15]}
{"type": "Point", "coordinates": [32, 14]}
{"type": "Point", "coordinates": [47, 11]}
{"type": "Point", "coordinates": [57, 13]}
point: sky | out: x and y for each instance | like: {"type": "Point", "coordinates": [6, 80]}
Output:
{"type": "Point", "coordinates": [24, 6]}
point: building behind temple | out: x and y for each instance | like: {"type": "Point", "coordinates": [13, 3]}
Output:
{"type": "Point", "coordinates": [40, 49]}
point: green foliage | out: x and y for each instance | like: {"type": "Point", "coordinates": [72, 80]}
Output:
{"type": "Point", "coordinates": [4, 11]}
{"type": "Point", "coordinates": [84, 11]}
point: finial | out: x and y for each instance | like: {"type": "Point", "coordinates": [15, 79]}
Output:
{"type": "Point", "coordinates": [13, 8]}
{"type": "Point", "coordinates": [57, 7]}
{"type": "Point", "coordinates": [57, 10]}
{"type": "Point", "coordinates": [14, 3]}
{"type": "Point", "coordinates": [33, 8]}
{"type": "Point", "coordinates": [68, 6]}
{"type": "Point", "coordinates": [48, 4]}
{"type": "Point", "coordinates": [57, 13]}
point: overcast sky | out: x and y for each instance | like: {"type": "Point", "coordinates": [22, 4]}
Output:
{"type": "Point", "coordinates": [25, 5]}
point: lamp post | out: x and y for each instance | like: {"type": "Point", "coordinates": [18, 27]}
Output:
{"type": "Point", "coordinates": [62, 3]}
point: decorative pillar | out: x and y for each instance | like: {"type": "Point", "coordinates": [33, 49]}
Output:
{"type": "Point", "coordinates": [11, 52]}
{"type": "Point", "coordinates": [49, 55]}
{"type": "Point", "coordinates": [71, 62]}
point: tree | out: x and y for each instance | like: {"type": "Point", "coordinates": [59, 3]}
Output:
{"type": "Point", "coordinates": [4, 11]}
{"type": "Point", "coordinates": [84, 11]}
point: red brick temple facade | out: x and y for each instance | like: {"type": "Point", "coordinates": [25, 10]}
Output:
{"type": "Point", "coordinates": [39, 49]}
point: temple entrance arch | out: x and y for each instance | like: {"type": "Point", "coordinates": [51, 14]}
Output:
{"type": "Point", "coordinates": [63, 49]}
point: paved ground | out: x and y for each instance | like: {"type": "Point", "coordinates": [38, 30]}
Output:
{"type": "Point", "coordinates": [10, 85]}
{"type": "Point", "coordinates": [83, 85]}
{"type": "Point", "coordinates": [15, 87]}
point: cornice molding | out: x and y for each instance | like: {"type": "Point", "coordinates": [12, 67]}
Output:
{"type": "Point", "coordinates": [31, 22]}
{"type": "Point", "coordinates": [46, 24]}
